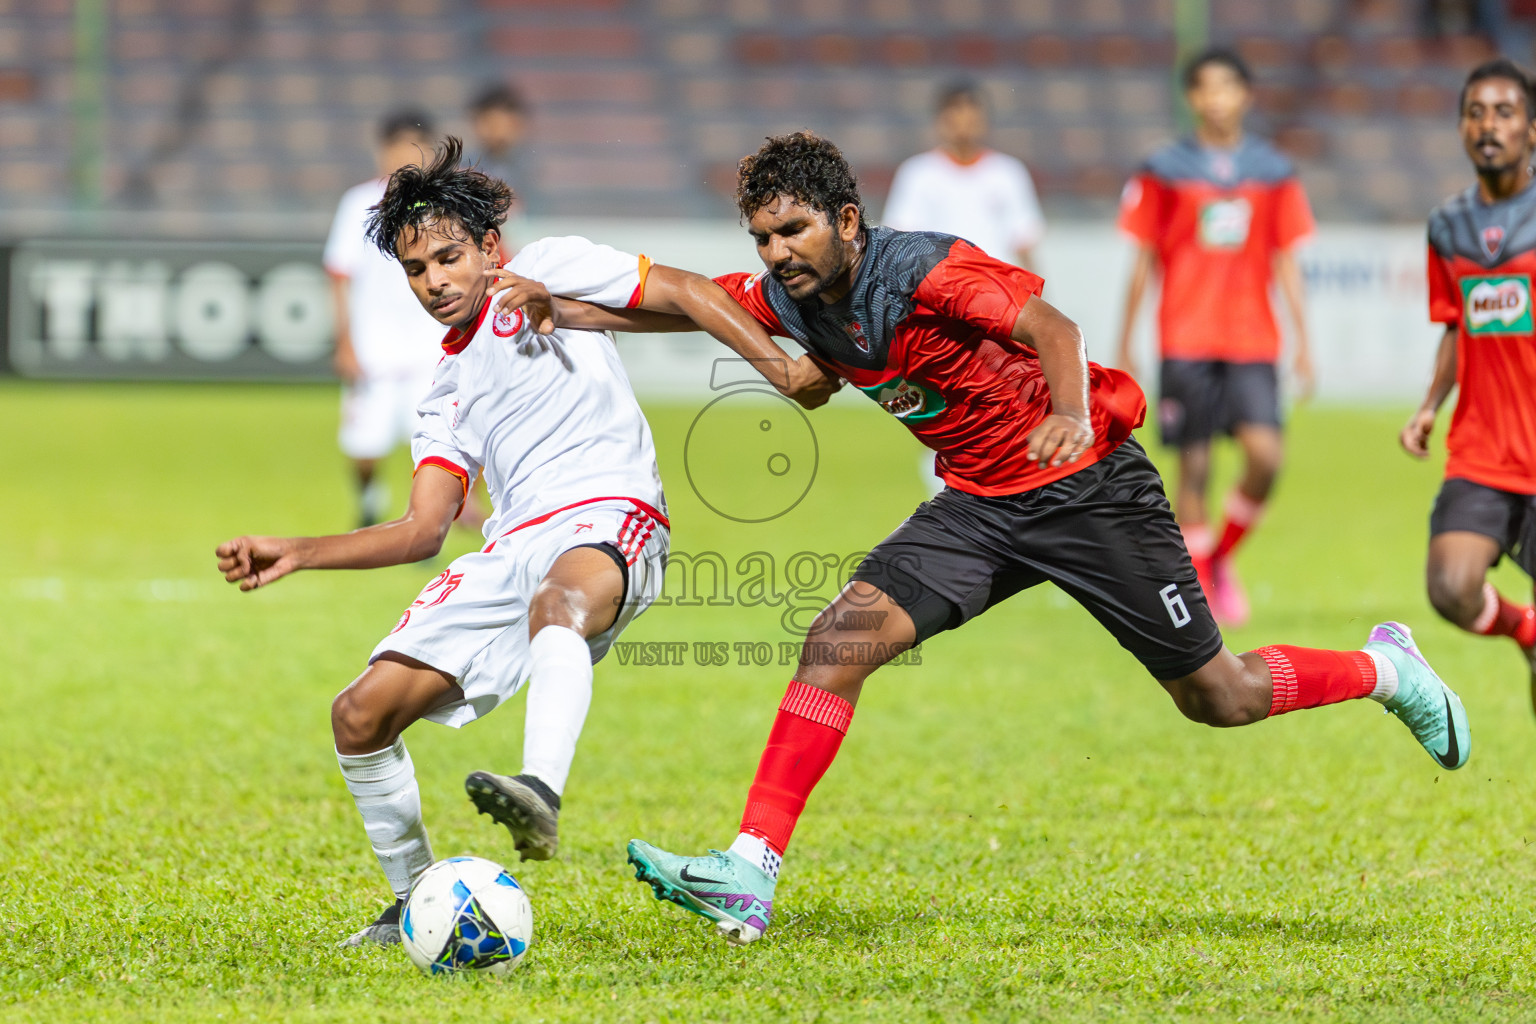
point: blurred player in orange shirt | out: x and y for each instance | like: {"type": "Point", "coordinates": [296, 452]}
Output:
{"type": "Point", "coordinates": [1219, 215]}
{"type": "Point", "coordinates": [1482, 257]}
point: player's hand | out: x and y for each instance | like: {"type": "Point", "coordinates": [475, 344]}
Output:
{"type": "Point", "coordinates": [1305, 374]}
{"type": "Point", "coordinates": [520, 293]}
{"type": "Point", "coordinates": [1415, 436]}
{"type": "Point", "coordinates": [810, 385]}
{"type": "Point", "coordinates": [1061, 438]}
{"type": "Point", "coordinates": [344, 362]}
{"type": "Point", "coordinates": [256, 561]}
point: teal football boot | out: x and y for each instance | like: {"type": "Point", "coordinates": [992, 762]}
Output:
{"type": "Point", "coordinates": [724, 887]}
{"type": "Point", "coordinates": [1430, 709]}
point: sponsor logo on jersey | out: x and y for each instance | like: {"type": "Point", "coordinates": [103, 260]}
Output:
{"type": "Point", "coordinates": [905, 400]}
{"type": "Point", "coordinates": [1224, 223]}
{"type": "Point", "coordinates": [1497, 304]}
{"type": "Point", "coordinates": [1493, 240]}
{"type": "Point", "coordinates": [505, 324]}
{"type": "Point", "coordinates": [856, 333]}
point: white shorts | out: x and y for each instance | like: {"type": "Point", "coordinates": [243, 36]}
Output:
{"type": "Point", "coordinates": [379, 413]}
{"type": "Point", "coordinates": [472, 620]}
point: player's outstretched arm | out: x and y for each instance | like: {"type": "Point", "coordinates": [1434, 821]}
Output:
{"type": "Point", "coordinates": [1135, 291]}
{"type": "Point", "coordinates": [344, 356]}
{"type": "Point", "coordinates": [584, 316]}
{"type": "Point", "coordinates": [1415, 435]}
{"type": "Point", "coordinates": [1288, 275]}
{"type": "Point", "coordinates": [711, 307]}
{"type": "Point", "coordinates": [546, 311]}
{"type": "Point", "coordinates": [675, 300]}
{"type": "Point", "coordinates": [436, 496]}
{"type": "Point", "coordinates": [1067, 432]}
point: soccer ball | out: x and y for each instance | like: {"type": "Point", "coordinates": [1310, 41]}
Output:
{"type": "Point", "coordinates": [466, 914]}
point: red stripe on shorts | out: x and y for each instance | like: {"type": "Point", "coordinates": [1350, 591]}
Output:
{"type": "Point", "coordinates": [577, 504]}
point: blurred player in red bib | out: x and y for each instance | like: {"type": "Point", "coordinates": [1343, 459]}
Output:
{"type": "Point", "coordinates": [1218, 216]}
{"type": "Point", "coordinates": [1482, 257]}
{"type": "Point", "coordinates": [1044, 483]}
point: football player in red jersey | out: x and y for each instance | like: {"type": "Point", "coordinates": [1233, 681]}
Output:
{"type": "Point", "coordinates": [1044, 482]}
{"type": "Point", "coordinates": [1482, 257]}
{"type": "Point", "coordinates": [1218, 216]}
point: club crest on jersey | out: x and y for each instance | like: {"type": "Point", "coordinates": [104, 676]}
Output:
{"type": "Point", "coordinates": [1493, 240]}
{"type": "Point", "coordinates": [856, 335]}
{"type": "Point", "coordinates": [1497, 305]}
{"type": "Point", "coordinates": [505, 324]}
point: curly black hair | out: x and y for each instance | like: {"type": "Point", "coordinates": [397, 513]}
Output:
{"type": "Point", "coordinates": [440, 192]}
{"type": "Point", "coordinates": [1508, 70]}
{"type": "Point", "coordinates": [802, 165]}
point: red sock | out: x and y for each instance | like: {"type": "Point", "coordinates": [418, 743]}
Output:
{"type": "Point", "coordinates": [1502, 617]}
{"type": "Point", "coordinates": [1305, 677]}
{"type": "Point", "coordinates": [804, 740]}
{"type": "Point", "coordinates": [1242, 515]}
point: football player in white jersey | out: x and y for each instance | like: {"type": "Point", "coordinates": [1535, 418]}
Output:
{"type": "Point", "coordinates": [576, 544]}
{"type": "Point", "coordinates": [964, 188]}
{"type": "Point", "coordinates": [386, 344]}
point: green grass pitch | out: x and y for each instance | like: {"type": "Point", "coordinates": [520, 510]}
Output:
{"type": "Point", "coordinates": [1021, 827]}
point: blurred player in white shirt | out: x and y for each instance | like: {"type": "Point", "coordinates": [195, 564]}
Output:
{"type": "Point", "coordinates": [386, 344]}
{"type": "Point", "coordinates": [577, 542]}
{"type": "Point", "coordinates": [963, 188]}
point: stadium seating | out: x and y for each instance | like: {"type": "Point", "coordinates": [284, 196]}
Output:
{"type": "Point", "coordinates": [264, 108]}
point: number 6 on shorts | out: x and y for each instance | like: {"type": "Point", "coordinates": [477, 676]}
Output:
{"type": "Point", "coordinates": [1175, 605]}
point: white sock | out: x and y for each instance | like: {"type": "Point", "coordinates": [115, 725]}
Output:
{"type": "Point", "coordinates": [383, 784]}
{"type": "Point", "coordinates": [373, 500]}
{"type": "Point", "coordinates": [1198, 539]}
{"type": "Point", "coordinates": [559, 693]}
{"type": "Point", "coordinates": [759, 853]}
{"type": "Point", "coordinates": [1386, 678]}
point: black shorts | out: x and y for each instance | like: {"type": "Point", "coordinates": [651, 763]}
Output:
{"type": "Point", "coordinates": [1200, 398]}
{"type": "Point", "coordinates": [1507, 517]}
{"type": "Point", "coordinates": [1105, 535]}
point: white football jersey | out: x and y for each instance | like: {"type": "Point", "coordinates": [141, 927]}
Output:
{"type": "Point", "coordinates": [989, 202]}
{"type": "Point", "coordinates": [551, 420]}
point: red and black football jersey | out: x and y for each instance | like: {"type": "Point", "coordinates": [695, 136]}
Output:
{"type": "Point", "coordinates": [926, 331]}
{"type": "Point", "coordinates": [1216, 218]}
{"type": "Point", "coordinates": [1482, 257]}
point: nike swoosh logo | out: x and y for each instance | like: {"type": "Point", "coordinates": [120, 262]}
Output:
{"type": "Point", "coordinates": [1452, 752]}
{"type": "Point", "coordinates": [687, 877]}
